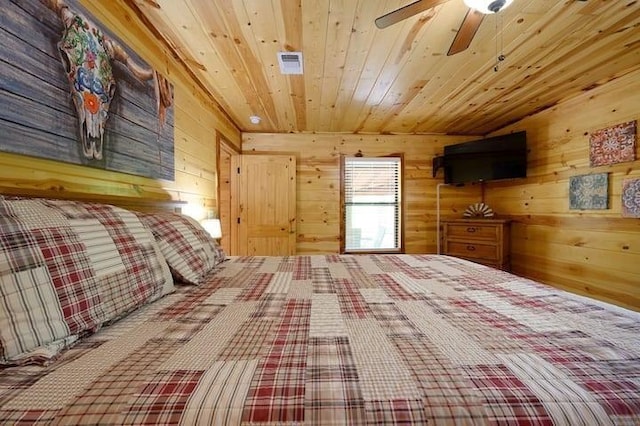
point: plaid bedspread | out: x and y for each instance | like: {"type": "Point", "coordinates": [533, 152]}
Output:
{"type": "Point", "coordinates": [376, 339]}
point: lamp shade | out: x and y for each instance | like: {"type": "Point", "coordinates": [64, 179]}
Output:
{"type": "Point", "coordinates": [488, 6]}
{"type": "Point", "coordinates": [212, 226]}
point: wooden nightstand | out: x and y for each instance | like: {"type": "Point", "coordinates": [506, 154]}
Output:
{"type": "Point", "coordinates": [485, 241]}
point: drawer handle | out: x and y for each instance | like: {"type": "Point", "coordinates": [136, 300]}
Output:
{"type": "Point", "coordinates": [471, 248]}
{"type": "Point", "coordinates": [471, 230]}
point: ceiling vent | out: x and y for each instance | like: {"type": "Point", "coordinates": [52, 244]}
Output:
{"type": "Point", "coordinates": [290, 62]}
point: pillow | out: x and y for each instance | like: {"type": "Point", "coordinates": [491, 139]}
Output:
{"type": "Point", "coordinates": [189, 250]}
{"type": "Point", "coordinates": [66, 269]}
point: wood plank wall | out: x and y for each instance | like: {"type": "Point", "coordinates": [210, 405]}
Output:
{"type": "Point", "coordinates": [595, 252]}
{"type": "Point", "coordinates": [197, 119]}
{"type": "Point", "coordinates": [318, 183]}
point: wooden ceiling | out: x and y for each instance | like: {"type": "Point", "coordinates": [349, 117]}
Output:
{"type": "Point", "coordinates": [360, 79]}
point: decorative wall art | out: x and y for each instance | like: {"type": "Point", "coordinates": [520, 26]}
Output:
{"type": "Point", "coordinates": [589, 192]}
{"type": "Point", "coordinates": [631, 198]}
{"type": "Point", "coordinates": [73, 92]}
{"type": "Point", "coordinates": [611, 145]}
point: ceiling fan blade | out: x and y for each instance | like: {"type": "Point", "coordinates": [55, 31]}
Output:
{"type": "Point", "coordinates": [467, 31]}
{"type": "Point", "coordinates": [406, 12]}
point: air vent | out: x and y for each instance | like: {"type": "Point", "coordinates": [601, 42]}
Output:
{"type": "Point", "coordinates": [290, 62]}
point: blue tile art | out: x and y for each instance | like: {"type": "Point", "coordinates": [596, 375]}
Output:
{"type": "Point", "coordinates": [589, 192]}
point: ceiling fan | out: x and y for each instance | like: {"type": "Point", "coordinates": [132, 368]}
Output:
{"type": "Point", "coordinates": [468, 28]}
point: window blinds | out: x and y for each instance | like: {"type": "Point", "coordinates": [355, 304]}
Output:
{"type": "Point", "coordinates": [369, 178]}
{"type": "Point", "coordinates": [372, 203]}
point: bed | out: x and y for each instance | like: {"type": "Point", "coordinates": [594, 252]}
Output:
{"type": "Point", "coordinates": [324, 339]}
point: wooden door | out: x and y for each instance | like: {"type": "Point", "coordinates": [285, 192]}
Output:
{"type": "Point", "coordinates": [266, 211]}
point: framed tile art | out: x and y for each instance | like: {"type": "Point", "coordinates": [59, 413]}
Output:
{"type": "Point", "coordinates": [614, 144]}
{"type": "Point", "coordinates": [589, 192]}
{"type": "Point", "coordinates": [631, 198]}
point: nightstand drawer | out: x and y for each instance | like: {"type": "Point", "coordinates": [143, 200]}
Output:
{"type": "Point", "coordinates": [473, 250]}
{"type": "Point", "coordinates": [485, 241]}
{"type": "Point", "coordinates": [474, 231]}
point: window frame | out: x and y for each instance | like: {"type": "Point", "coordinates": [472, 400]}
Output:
{"type": "Point", "coordinates": [401, 215]}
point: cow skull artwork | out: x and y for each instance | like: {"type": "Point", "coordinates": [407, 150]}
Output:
{"type": "Point", "coordinates": [87, 54]}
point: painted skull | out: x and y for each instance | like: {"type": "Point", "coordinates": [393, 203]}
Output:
{"type": "Point", "coordinates": [84, 53]}
{"type": "Point", "coordinates": [87, 55]}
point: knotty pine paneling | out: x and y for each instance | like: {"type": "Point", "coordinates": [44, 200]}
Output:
{"type": "Point", "coordinates": [197, 119]}
{"type": "Point", "coordinates": [360, 79]}
{"type": "Point", "coordinates": [592, 252]}
{"type": "Point", "coordinates": [318, 183]}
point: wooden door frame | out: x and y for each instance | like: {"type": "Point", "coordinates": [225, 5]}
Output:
{"type": "Point", "coordinates": [223, 144]}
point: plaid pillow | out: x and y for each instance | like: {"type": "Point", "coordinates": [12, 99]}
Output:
{"type": "Point", "coordinates": [66, 269]}
{"type": "Point", "coordinates": [189, 250]}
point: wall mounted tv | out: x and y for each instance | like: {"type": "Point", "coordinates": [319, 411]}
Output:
{"type": "Point", "coordinates": [499, 157]}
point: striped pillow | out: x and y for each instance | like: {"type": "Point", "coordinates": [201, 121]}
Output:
{"type": "Point", "coordinates": [66, 269]}
{"type": "Point", "coordinates": [189, 250]}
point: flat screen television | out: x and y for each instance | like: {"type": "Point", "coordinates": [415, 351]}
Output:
{"type": "Point", "coordinates": [495, 158]}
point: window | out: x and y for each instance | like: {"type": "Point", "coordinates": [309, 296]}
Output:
{"type": "Point", "coordinates": [371, 197]}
